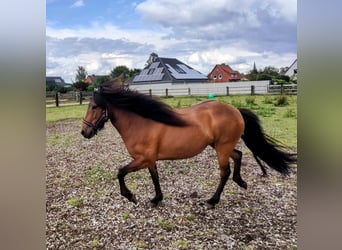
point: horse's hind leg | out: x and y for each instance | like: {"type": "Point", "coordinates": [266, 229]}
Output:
{"type": "Point", "coordinates": [155, 178]}
{"type": "Point", "coordinates": [262, 167]}
{"type": "Point", "coordinates": [223, 159]}
{"type": "Point", "coordinates": [224, 174]}
{"type": "Point", "coordinates": [237, 156]}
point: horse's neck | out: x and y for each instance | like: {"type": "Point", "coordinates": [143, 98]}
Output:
{"type": "Point", "coordinates": [126, 123]}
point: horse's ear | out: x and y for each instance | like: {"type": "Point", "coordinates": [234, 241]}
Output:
{"type": "Point", "coordinates": [113, 85]}
{"type": "Point", "coordinates": [121, 79]}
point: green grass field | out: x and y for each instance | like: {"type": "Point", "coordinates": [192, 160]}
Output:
{"type": "Point", "coordinates": [279, 122]}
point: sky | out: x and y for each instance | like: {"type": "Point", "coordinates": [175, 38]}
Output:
{"type": "Point", "coordinates": [102, 34]}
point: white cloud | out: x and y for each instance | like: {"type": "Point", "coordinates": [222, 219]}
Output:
{"type": "Point", "coordinates": [77, 4]}
{"type": "Point", "coordinates": [222, 19]}
{"type": "Point", "coordinates": [110, 31]}
{"type": "Point", "coordinates": [184, 13]}
{"type": "Point", "coordinates": [238, 33]}
{"type": "Point", "coordinates": [239, 58]}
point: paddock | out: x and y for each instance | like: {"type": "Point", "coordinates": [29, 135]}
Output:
{"type": "Point", "coordinates": [85, 209]}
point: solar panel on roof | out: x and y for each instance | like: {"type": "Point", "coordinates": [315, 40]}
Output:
{"type": "Point", "coordinates": [177, 70]}
{"type": "Point", "coordinates": [189, 73]}
{"type": "Point", "coordinates": [144, 78]}
{"type": "Point", "coordinates": [154, 65]}
{"type": "Point", "coordinates": [158, 70]}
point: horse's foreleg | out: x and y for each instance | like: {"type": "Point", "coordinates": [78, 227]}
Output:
{"type": "Point", "coordinates": [237, 156]}
{"type": "Point", "coordinates": [155, 178]}
{"type": "Point", "coordinates": [123, 188]}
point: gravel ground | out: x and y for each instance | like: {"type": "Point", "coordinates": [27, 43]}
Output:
{"type": "Point", "coordinates": [86, 211]}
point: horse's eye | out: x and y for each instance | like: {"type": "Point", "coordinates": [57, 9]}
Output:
{"type": "Point", "coordinates": [94, 107]}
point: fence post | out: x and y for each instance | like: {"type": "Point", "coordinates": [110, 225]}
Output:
{"type": "Point", "coordinates": [57, 99]}
{"type": "Point", "coordinates": [189, 91]}
{"type": "Point", "coordinates": [150, 92]}
{"type": "Point", "coordinates": [227, 88]}
{"type": "Point", "coordinates": [166, 93]}
{"type": "Point", "coordinates": [252, 90]}
{"type": "Point", "coordinates": [81, 97]}
{"type": "Point", "coordinates": [281, 89]}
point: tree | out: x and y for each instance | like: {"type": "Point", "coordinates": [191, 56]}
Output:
{"type": "Point", "coordinates": [133, 72]}
{"type": "Point", "coordinates": [252, 75]}
{"type": "Point", "coordinates": [81, 74]}
{"type": "Point", "coordinates": [118, 70]}
{"type": "Point", "coordinates": [50, 86]}
{"type": "Point", "coordinates": [101, 80]}
{"type": "Point", "coordinates": [271, 71]}
{"type": "Point", "coordinates": [264, 76]}
{"type": "Point", "coordinates": [268, 73]}
{"type": "Point", "coordinates": [81, 86]}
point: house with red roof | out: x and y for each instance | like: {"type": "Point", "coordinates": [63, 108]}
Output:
{"type": "Point", "coordinates": [91, 79]}
{"type": "Point", "coordinates": [224, 73]}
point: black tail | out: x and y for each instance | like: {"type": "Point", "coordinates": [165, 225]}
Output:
{"type": "Point", "coordinates": [263, 146]}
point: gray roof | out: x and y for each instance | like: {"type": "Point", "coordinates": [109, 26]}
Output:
{"type": "Point", "coordinates": [56, 80]}
{"type": "Point", "coordinates": [292, 70]}
{"type": "Point", "coordinates": [168, 70]}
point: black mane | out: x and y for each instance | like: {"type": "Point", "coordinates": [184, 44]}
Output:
{"type": "Point", "coordinates": [138, 103]}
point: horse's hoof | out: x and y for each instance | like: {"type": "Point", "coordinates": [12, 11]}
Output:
{"type": "Point", "coordinates": [243, 185]}
{"type": "Point", "coordinates": [209, 204]}
{"type": "Point", "coordinates": [156, 201]}
{"type": "Point", "coordinates": [240, 182]}
{"type": "Point", "coordinates": [133, 199]}
{"type": "Point", "coordinates": [153, 204]}
{"type": "Point", "coordinates": [194, 195]}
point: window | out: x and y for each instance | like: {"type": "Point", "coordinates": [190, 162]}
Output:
{"type": "Point", "coordinates": [179, 70]}
{"type": "Point", "coordinates": [215, 77]}
{"type": "Point", "coordinates": [220, 76]}
{"type": "Point", "coordinates": [150, 71]}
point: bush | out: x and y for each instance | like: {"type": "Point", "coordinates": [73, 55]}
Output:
{"type": "Point", "coordinates": [237, 104]}
{"type": "Point", "coordinates": [61, 89]}
{"type": "Point", "coordinates": [279, 81]}
{"type": "Point", "coordinates": [250, 100]}
{"type": "Point", "coordinates": [90, 87]}
{"type": "Point", "coordinates": [268, 100]}
{"type": "Point", "coordinates": [281, 101]}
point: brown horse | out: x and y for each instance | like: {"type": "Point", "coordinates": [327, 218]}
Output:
{"type": "Point", "coordinates": [152, 131]}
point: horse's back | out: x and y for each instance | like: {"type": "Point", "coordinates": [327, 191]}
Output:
{"type": "Point", "coordinates": [216, 118]}
{"type": "Point", "coordinates": [213, 110]}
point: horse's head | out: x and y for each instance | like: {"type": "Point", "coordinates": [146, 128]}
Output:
{"type": "Point", "coordinates": [94, 119]}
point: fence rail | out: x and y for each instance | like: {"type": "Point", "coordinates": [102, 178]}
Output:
{"type": "Point", "coordinates": [74, 98]}
{"type": "Point", "coordinates": [63, 99]}
{"type": "Point", "coordinates": [283, 89]}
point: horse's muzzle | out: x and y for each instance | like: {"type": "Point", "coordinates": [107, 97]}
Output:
{"type": "Point", "coordinates": [88, 133]}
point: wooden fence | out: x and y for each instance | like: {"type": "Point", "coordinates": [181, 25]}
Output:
{"type": "Point", "coordinates": [70, 98]}
{"type": "Point", "coordinates": [74, 98]}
